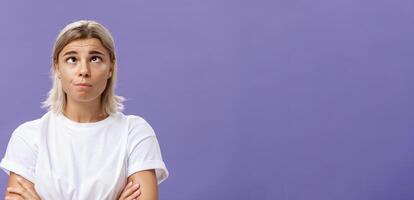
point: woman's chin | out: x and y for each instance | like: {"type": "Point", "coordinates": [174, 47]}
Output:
{"type": "Point", "coordinates": [84, 98]}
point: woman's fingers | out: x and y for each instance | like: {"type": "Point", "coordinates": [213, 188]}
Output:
{"type": "Point", "coordinates": [29, 188]}
{"type": "Point", "coordinates": [128, 185]}
{"type": "Point", "coordinates": [134, 195]}
{"type": "Point", "coordinates": [129, 190]}
{"type": "Point", "coordinates": [25, 191]}
{"type": "Point", "coordinates": [17, 190]}
{"type": "Point", "coordinates": [13, 197]}
{"type": "Point", "coordinates": [123, 195]}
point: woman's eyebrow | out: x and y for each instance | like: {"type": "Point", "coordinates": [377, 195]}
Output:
{"type": "Point", "coordinates": [95, 52]}
{"type": "Point", "coordinates": [70, 52]}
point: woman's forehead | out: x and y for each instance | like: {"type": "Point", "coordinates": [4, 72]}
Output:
{"type": "Point", "coordinates": [84, 44]}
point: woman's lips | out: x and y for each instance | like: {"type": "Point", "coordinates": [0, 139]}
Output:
{"type": "Point", "coordinates": [84, 84]}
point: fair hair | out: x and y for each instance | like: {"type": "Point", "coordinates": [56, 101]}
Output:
{"type": "Point", "coordinates": [83, 29]}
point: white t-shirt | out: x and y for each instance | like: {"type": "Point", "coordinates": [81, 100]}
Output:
{"type": "Point", "coordinates": [83, 161]}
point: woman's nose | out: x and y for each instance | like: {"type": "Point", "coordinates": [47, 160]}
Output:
{"type": "Point", "coordinates": [84, 69]}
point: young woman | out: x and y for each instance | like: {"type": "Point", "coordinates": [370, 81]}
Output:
{"type": "Point", "coordinates": [84, 147]}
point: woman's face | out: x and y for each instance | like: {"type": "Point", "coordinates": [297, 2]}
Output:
{"type": "Point", "coordinates": [84, 67]}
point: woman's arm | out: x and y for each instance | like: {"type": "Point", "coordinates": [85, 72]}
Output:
{"type": "Point", "coordinates": [19, 188]}
{"type": "Point", "coordinates": [148, 184]}
{"type": "Point", "coordinates": [24, 189]}
{"type": "Point", "coordinates": [13, 183]}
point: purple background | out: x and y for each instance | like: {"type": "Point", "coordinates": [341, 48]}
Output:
{"type": "Point", "coordinates": [283, 99]}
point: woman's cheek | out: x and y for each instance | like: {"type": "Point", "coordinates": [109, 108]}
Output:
{"type": "Point", "coordinates": [103, 66]}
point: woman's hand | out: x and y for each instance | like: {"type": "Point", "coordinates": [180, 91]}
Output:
{"type": "Point", "coordinates": [25, 192]}
{"type": "Point", "coordinates": [130, 192]}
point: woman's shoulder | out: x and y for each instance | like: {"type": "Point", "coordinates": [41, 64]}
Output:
{"type": "Point", "coordinates": [29, 130]}
{"type": "Point", "coordinates": [31, 125]}
{"type": "Point", "coordinates": [138, 126]}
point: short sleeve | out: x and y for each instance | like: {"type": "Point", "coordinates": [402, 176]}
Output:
{"type": "Point", "coordinates": [20, 157]}
{"type": "Point", "coordinates": [144, 150]}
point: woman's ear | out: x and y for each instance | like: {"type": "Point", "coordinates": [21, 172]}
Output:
{"type": "Point", "coordinates": [110, 71]}
{"type": "Point", "coordinates": [57, 70]}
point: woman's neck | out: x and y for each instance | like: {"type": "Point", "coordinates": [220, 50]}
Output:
{"type": "Point", "coordinates": [84, 112]}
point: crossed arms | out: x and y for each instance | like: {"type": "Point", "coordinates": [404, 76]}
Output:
{"type": "Point", "coordinates": [147, 189]}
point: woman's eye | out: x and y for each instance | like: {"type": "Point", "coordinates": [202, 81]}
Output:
{"type": "Point", "coordinates": [71, 60]}
{"type": "Point", "coordinates": [96, 59]}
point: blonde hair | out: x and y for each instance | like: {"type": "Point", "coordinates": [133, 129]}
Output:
{"type": "Point", "coordinates": [83, 29]}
